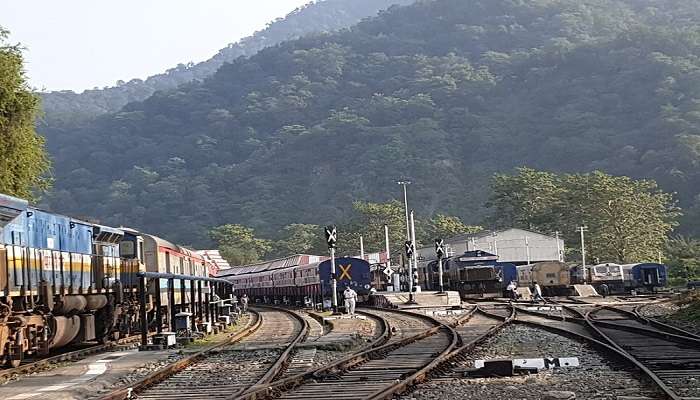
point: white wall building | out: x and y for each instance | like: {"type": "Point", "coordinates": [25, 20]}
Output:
{"type": "Point", "coordinates": [518, 246]}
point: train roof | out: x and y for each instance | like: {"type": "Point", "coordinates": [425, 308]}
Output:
{"type": "Point", "coordinates": [279, 263]}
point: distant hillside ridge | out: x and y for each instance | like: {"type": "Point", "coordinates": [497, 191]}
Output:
{"type": "Point", "coordinates": [444, 92]}
{"type": "Point", "coordinates": [315, 17]}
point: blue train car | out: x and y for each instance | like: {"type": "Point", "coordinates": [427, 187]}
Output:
{"type": "Point", "coordinates": [349, 271]}
{"type": "Point", "coordinates": [644, 275]}
{"type": "Point", "coordinates": [52, 248]}
{"type": "Point", "coordinates": [478, 274]}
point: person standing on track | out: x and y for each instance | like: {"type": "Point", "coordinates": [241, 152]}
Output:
{"type": "Point", "coordinates": [350, 299]}
{"type": "Point", "coordinates": [537, 293]}
{"type": "Point", "coordinates": [510, 289]}
{"type": "Point", "coordinates": [604, 290]}
{"type": "Point", "coordinates": [244, 302]}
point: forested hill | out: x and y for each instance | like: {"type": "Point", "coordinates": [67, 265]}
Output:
{"type": "Point", "coordinates": [321, 16]}
{"type": "Point", "coordinates": [444, 92]}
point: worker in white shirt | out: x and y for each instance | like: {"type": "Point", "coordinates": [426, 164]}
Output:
{"type": "Point", "coordinates": [350, 299]}
{"type": "Point", "coordinates": [537, 293]}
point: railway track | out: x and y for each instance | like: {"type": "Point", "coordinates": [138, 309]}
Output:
{"type": "Point", "coordinates": [173, 369]}
{"type": "Point", "coordinates": [670, 360]}
{"type": "Point", "coordinates": [32, 366]}
{"type": "Point", "coordinates": [419, 345]}
{"type": "Point", "coordinates": [232, 368]}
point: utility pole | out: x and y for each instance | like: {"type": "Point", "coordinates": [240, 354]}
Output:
{"type": "Point", "coordinates": [495, 244]}
{"type": "Point", "coordinates": [414, 273]}
{"type": "Point", "coordinates": [582, 229]}
{"type": "Point", "coordinates": [362, 248]}
{"type": "Point", "coordinates": [386, 242]}
{"type": "Point", "coordinates": [409, 252]}
{"type": "Point", "coordinates": [527, 250]}
{"type": "Point", "coordinates": [559, 255]}
{"type": "Point", "coordinates": [405, 202]}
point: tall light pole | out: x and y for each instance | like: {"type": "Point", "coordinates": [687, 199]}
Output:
{"type": "Point", "coordinates": [413, 272]}
{"type": "Point", "coordinates": [582, 229]}
{"type": "Point", "coordinates": [408, 237]}
{"type": "Point", "coordinates": [405, 203]}
{"type": "Point", "coordinates": [559, 257]}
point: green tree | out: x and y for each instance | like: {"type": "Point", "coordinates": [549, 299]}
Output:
{"type": "Point", "coordinates": [682, 255]}
{"type": "Point", "coordinates": [444, 226]}
{"type": "Point", "coordinates": [628, 220]}
{"type": "Point", "coordinates": [238, 244]}
{"type": "Point", "coordinates": [301, 239]}
{"type": "Point", "coordinates": [23, 161]}
{"type": "Point", "coordinates": [368, 221]}
{"type": "Point", "coordinates": [526, 199]}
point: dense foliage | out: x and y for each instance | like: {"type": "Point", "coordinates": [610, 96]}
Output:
{"type": "Point", "coordinates": [66, 106]}
{"type": "Point", "coordinates": [23, 162]}
{"type": "Point", "coordinates": [446, 92]}
{"type": "Point", "coordinates": [682, 255]}
{"type": "Point", "coordinates": [626, 220]}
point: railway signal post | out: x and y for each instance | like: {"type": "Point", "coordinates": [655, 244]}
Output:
{"type": "Point", "coordinates": [409, 254]}
{"type": "Point", "coordinates": [331, 238]}
{"type": "Point", "coordinates": [440, 251]}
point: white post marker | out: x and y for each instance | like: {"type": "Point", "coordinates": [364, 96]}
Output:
{"type": "Point", "coordinates": [413, 245]}
{"type": "Point", "coordinates": [495, 243]}
{"type": "Point", "coordinates": [527, 250]}
{"type": "Point", "coordinates": [556, 235]}
{"type": "Point", "coordinates": [582, 229]}
{"type": "Point", "coordinates": [386, 239]}
{"type": "Point", "coordinates": [362, 248]}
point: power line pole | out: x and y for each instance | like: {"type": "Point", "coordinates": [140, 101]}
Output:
{"type": "Point", "coordinates": [582, 229]}
{"type": "Point", "coordinates": [362, 248]}
{"type": "Point", "coordinates": [527, 250]}
{"type": "Point", "coordinates": [413, 272]}
{"type": "Point", "coordinates": [405, 202]}
{"type": "Point", "coordinates": [409, 242]}
{"type": "Point", "coordinates": [559, 255]}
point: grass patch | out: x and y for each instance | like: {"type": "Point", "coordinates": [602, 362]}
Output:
{"type": "Point", "coordinates": [690, 308]}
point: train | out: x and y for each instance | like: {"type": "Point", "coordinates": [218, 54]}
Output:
{"type": "Point", "coordinates": [621, 278]}
{"type": "Point", "coordinates": [300, 279]}
{"type": "Point", "coordinates": [65, 281]}
{"type": "Point", "coordinates": [479, 274]}
{"type": "Point", "coordinates": [474, 274]}
{"type": "Point", "coordinates": [554, 277]}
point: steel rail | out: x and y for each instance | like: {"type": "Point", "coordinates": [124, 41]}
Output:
{"type": "Point", "coordinates": [169, 370]}
{"type": "Point", "coordinates": [379, 340]}
{"type": "Point", "coordinates": [283, 359]}
{"type": "Point", "coordinates": [668, 392]}
{"type": "Point", "coordinates": [658, 324]}
{"type": "Point", "coordinates": [45, 362]}
{"type": "Point", "coordinates": [343, 364]}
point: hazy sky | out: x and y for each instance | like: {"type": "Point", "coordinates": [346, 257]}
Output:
{"type": "Point", "coordinates": [80, 44]}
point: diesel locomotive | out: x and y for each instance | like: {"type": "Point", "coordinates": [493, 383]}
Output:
{"type": "Point", "coordinates": [65, 280]}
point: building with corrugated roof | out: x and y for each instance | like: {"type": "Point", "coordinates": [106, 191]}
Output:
{"type": "Point", "coordinates": [514, 245]}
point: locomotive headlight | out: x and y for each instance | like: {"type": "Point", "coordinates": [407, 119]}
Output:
{"type": "Point", "coordinates": [366, 286]}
